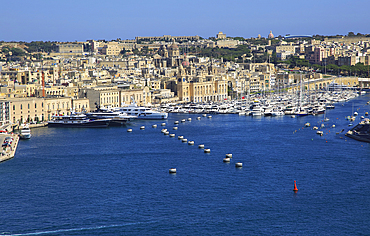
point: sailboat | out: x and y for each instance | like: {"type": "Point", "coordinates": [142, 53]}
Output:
{"type": "Point", "coordinates": [301, 111]}
{"type": "Point", "coordinates": [352, 118]}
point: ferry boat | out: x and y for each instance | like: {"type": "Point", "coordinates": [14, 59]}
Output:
{"type": "Point", "coordinates": [142, 113]}
{"type": "Point", "coordinates": [77, 121]}
{"type": "Point", "coordinates": [25, 132]}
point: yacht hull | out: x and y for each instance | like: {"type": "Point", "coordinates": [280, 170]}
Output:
{"type": "Point", "coordinates": [87, 124]}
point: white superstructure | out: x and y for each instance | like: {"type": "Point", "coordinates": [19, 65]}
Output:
{"type": "Point", "coordinates": [142, 112]}
{"type": "Point", "coordinates": [25, 132]}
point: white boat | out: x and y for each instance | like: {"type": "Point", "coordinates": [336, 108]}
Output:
{"type": "Point", "coordinates": [25, 132]}
{"type": "Point", "coordinates": [257, 111]}
{"type": "Point", "coordinates": [301, 112]}
{"type": "Point", "coordinates": [289, 110]}
{"type": "Point", "coordinates": [277, 113]}
{"type": "Point", "coordinates": [143, 113]}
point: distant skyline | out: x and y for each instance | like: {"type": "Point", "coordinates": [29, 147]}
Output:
{"type": "Point", "coordinates": [43, 20]}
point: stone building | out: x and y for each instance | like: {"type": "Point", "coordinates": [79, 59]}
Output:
{"type": "Point", "coordinates": [220, 35]}
{"type": "Point", "coordinates": [4, 112]}
{"type": "Point", "coordinates": [101, 96]}
{"type": "Point", "coordinates": [115, 96]}
{"type": "Point", "coordinates": [167, 38]}
{"type": "Point", "coordinates": [191, 88]}
{"type": "Point", "coordinates": [70, 48]}
{"type": "Point", "coordinates": [23, 110]}
{"type": "Point", "coordinates": [141, 97]}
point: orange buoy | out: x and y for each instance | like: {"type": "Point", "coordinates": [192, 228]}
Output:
{"type": "Point", "coordinates": [295, 187]}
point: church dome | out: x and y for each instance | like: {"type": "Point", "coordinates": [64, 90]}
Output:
{"type": "Point", "coordinates": [271, 36]}
{"type": "Point", "coordinates": [174, 46]}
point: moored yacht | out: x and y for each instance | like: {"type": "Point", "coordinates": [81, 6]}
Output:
{"type": "Point", "coordinates": [115, 118]}
{"type": "Point", "coordinates": [257, 111]}
{"type": "Point", "coordinates": [143, 113]}
{"type": "Point", "coordinates": [77, 121]}
{"type": "Point", "coordinates": [25, 132]}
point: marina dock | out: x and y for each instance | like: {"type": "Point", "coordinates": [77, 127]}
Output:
{"type": "Point", "coordinates": [9, 151]}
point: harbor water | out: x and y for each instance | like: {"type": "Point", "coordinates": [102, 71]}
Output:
{"type": "Point", "coordinates": [107, 181]}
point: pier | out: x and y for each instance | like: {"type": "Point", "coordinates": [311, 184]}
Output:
{"type": "Point", "coordinates": [8, 152]}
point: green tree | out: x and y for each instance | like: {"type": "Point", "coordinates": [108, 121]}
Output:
{"type": "Point", "coordinates": [17, 52]}
{"type": "Point", "coordinates": [350, 34]}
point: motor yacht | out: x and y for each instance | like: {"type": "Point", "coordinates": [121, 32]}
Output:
{"type": "Point", "coordinates": [77, 121]}
{"type": "Point", "coordinates": [116, 118]}
{"type": "Point", "coordinates": [25, 132]}
{"type": "Point", "coordinates": [142, 113]}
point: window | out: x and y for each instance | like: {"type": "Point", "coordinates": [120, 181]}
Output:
{"type": "Point", "coordinates": [21, 106]}
{"type": "Point", "coordinates": [35, 105]}
{"type": "Point", "coordinates": [13, 109]}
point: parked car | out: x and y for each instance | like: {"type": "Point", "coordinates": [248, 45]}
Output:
{"type": "Point", "coordinates": [5, 145]}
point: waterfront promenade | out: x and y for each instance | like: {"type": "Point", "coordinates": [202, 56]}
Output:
{"type": "Point", "coordinates": [9, 151]}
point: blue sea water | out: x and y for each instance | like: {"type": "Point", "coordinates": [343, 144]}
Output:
{"type": "Point", "coordinates": [111, 182]}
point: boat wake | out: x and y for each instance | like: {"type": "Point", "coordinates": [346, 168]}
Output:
{"type": "Point", "coordinates": [79, 229]}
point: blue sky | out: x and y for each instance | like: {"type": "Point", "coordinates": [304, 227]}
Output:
{"type": "Point", "coordinates": [80, 20]}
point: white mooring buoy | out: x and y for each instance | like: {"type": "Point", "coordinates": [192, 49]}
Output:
{"type": "Point", "coordinates": [154, 126]}
{"type": "Point", "coordinates": [207, 150]}
{"type": "Point", "coordinates": [180, 137]}
{"type": "Point", "coordinates": [163, 124]}
{"type": "Point", "coordinates": [238, 165]}
{"type": "Point", "coordinates": [229, 155]}
{"type": "Point", "coordinates": [172, 171]}
{"type": "Point", "coordinates": [201, 146]}
{"type": "Point", "coordinates": [129, 130]}
{"type": "Point", "coordinates": [184, 140]}
{"type": "Point", "coordinates": [175, 128]}
{"type": "Point", "coordinates": [176, 122]}
{"type": "Point", "coordinates": [142, 127]}
{"type": "Point", "coordinates": [172, 135]}
{"type": "Point", "coordinates": [191, 142]}
{"type": "Point", "coordinates": [226, 159]}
